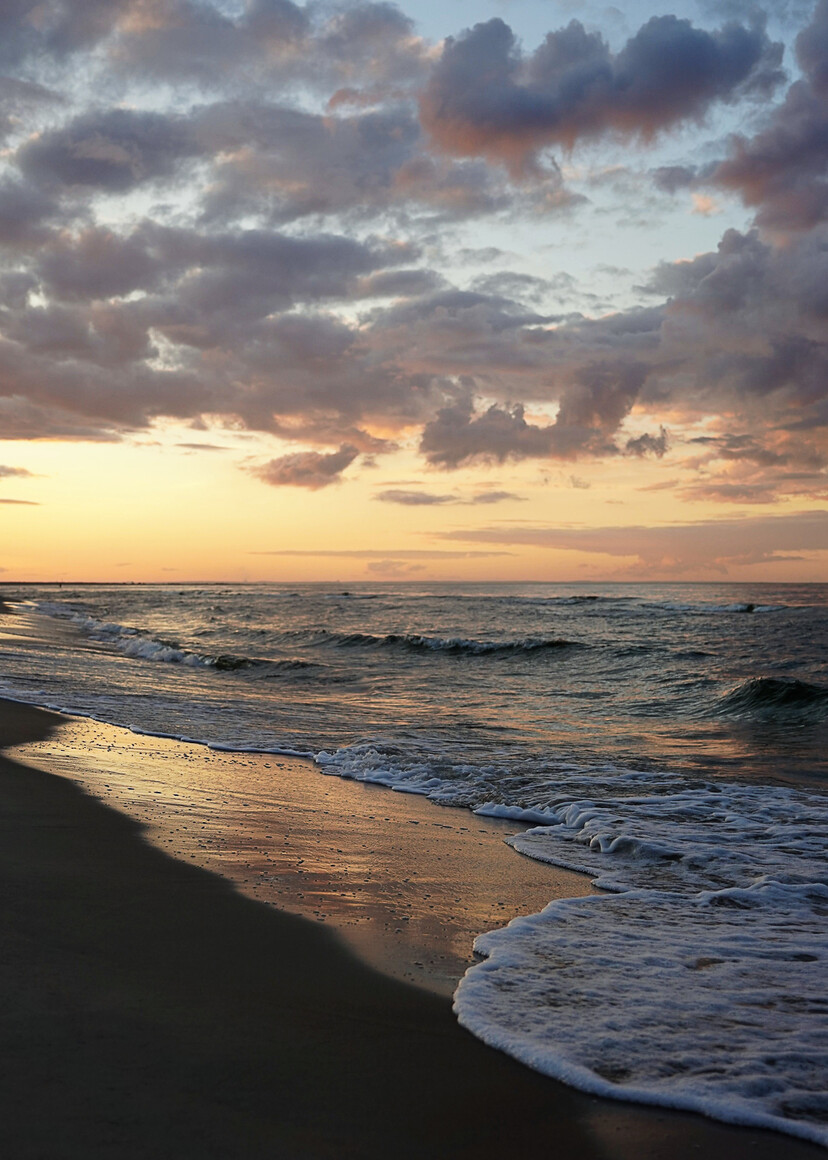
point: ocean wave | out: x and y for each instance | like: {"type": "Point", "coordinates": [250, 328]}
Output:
{"type": "Point", "coordinates": [769, 698]}
{"type": "Point", "coordinates": [708, 609]}
{"type": "Point", "coordinates": [457, 646]}
{"type": "Point", "coordinates": [140, 646]}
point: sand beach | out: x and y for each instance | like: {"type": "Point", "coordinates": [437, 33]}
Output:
{"type": "Point", "coordinates": [154, 1010]}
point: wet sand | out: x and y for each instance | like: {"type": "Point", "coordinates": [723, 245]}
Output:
{"type": "Point", "coordinates": [151, 1010]}
{"type": "Point", "coordinates": [408, 885]}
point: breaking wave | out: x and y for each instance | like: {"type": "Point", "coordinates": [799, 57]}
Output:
{"type": "Point", "coordinates": [769, 698]}
{"type": "Point", "coordinates": [457, 646]}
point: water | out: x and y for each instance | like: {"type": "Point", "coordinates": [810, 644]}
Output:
{"type": "Point", "coordinates": [669, 740]}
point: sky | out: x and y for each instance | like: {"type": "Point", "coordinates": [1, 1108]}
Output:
{"type": "Point", "coordinates": [472, 290]}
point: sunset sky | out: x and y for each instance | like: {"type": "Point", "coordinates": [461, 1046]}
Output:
{"type": "Point", "coordinates": [478, 289]}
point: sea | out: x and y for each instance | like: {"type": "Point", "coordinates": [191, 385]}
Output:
{"type": "Point", "coordinates": [669, 740]}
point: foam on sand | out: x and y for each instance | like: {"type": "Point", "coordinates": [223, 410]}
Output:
{"type": "Point", "coordinates": [731, 1021]}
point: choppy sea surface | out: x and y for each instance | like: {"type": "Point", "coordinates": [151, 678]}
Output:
{"type": "Point", "coordinates": [669, 740]}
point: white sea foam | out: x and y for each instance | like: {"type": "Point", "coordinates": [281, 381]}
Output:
{"type": "Point", "coordinates": [697, 984]}
{"type": "Point", "coordinates": [706, 993]}
{"type": "Point", "coordinates": [702, 836]}
{"type": "Point", "coordinates": [713, 1002]}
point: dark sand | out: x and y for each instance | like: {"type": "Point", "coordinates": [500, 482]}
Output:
{"type": "Point", "coordinates": [152, 1011]}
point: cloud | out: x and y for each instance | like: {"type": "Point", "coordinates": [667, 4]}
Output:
{"type": "Point", "coordinates": [36, 28]}
{"type": "Point", "coordinates": [649, 444]}
{"type": "Point", "coordinates": [414, 498]}
{"type": "Point", "coordinates": [17, 99]}
{"type": "Point", "coordinates": [201, 447]}
{"type": "Point", "coordinates": [24, 502]}
{"type": "Point", "coordinates": [99, 263]}
{"type": "Point", "coordinates": [431, 499]}
{"type": "Point", "coordinates": [674, 549]}
{"type": "Point", "coordinates": [488, 497]}
{"type": "Point", "coordinates": [383, 553]}
{"type": "Point", "coordinates": [13, 472]}
{"type": "Point", "coordinates": [309, 469]}
{"type": "Point", "coordinates": [393, 568]}
{"type": "Point", "coordinates": [25, 212]}
{"type": "Point", "coordinates": [522, 287]}
{"type": "Point", "coordinates": [660, 485]}
{"type": "Point", "coordinates": [486, 98]}
{"type": "Point", "coordinates": [261, 242]}
{"type": "Point", "coordinates": [286, 164]}
{"type": "Point", "coordinates": [590, 411]}
{"type": "Point", "coordinates": [112, 150]}
{"type": "Point", "coordinates": [782, 170]}
{"type": "Point", "coordinates": [272, 43]}
{"type": "Point", "coordinates": [457, 435]}
{"type": "Point", "coordinates": [187, 40]}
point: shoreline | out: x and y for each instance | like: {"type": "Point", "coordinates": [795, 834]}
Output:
{"type": "Point", "coordinates": [154, 1011]}
{"type": "Point", "coordinates": [407, 884]}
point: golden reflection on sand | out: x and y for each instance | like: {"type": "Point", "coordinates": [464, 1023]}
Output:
{"type": "Point", "coordinates": [406, 883]}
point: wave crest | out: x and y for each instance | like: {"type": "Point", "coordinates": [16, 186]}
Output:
{"type": "Point", "coordinates": [459, 646]}
{"type": "Point", "coordinates": [771, 698]}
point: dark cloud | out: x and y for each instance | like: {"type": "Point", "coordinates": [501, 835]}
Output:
{"type": "Point", "coordinates": [291, 163]}
{"type": "Point", "coordinates": [649, 444]}
{"type": "Point", "coordinates": [285, 164]}
{"type": "Point", "coordinates": [112, 151]}
{"type": "Point", "coordinates": [34, 28]}
{"type": "Point", "coordinates": [213, 330]}
{"type": "Point", "coordinates": [591, 408]}
{"type": "Point", "coordinates": [752, 468]}
{"type": "Point", "coordinates": [25, 212]}
{"type": "Point", "coordinates": [456, 435]}
{"type": "Point", "coordinates": [309, 469]}
{"type": "Point", "coordinates": [64, 378]}
{"type": "Point", "coordinates": [15, 288]}
{"type": "Point", "coordinates": [17, 99]}
{"type": "Point", "coordinates": [20, 418]}
{"type": "Point", "coordinates": [13, 472]}
{"type": "Point", "coordinates": [486, 98]}
{"type": "Point", "coordinates": [98, 263]}
{"type": "Point", "coordinates": [273, 42]}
